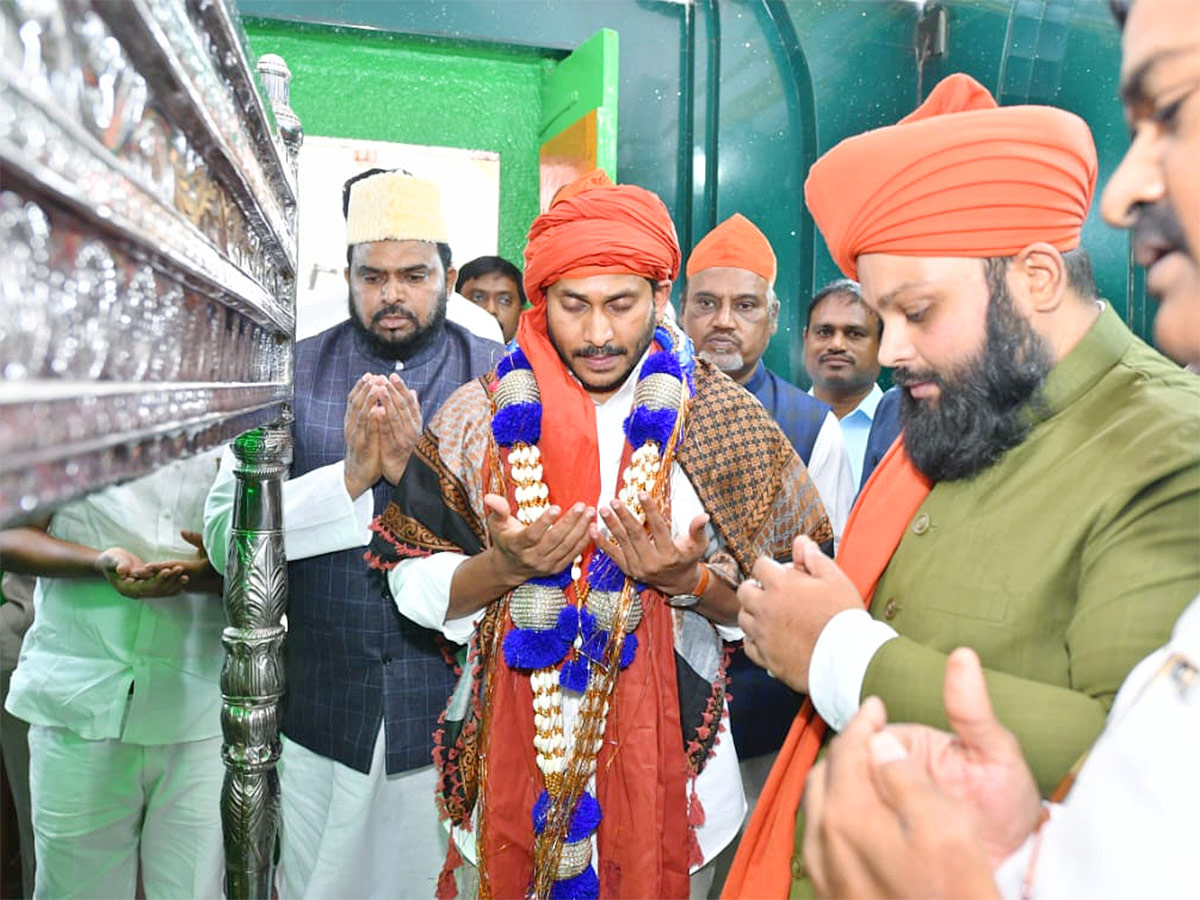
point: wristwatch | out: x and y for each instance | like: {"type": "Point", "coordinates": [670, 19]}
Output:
{"type": "Point", "coordinates": [687, 601]}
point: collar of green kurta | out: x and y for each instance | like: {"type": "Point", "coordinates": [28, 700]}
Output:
{"type": "Point", "coordinates": [1087, 362]}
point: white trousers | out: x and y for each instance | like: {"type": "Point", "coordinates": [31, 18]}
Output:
{"type": "Point", "coordinates": [101, 807]}
{"type": "Point", "coordinates": [349, 835]}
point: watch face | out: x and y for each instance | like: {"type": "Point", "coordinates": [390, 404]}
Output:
{"type": "Point", "coordinates": [683, 601]}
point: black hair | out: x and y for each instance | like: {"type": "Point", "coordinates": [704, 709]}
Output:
{"type": "Point", "coordinates": [443, 249]}
{"type": "Point", "coordinates": [844, 287]}
{"type": "Point", "coordinates": [490, 265]}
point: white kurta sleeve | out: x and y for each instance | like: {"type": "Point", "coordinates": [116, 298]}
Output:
{"type": "Point", "coordinates": [832, 474]}
{"type": "Point", "coordinates": [421, 588]}
{"type": "Point", "coordinates": [839, 663]}
{"type": "Point", "coordinates": [318, 514]}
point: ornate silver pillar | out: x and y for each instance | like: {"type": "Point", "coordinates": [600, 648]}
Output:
{"type": "Point", "coordinates": [252, 681]}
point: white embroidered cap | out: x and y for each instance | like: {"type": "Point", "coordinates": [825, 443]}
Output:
{"type": "Point", "coordinates": [392, 206]}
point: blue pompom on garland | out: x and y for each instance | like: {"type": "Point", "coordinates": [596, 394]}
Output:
{"type": "Point", "coordinates": [628, 650]}
{"type": "Point", "coordinates": [644, 424]}
{"type": "Point", "coordinates": [528, 648]}
{"type": "Point", "coordinates": [663, 336]}
{"type": "Point", "coordinates": [584, 820]}
{"type": "Point", "coordinates": [518, 423]}
{"type": "Point", "coordinates": [584, 886]}
{"type": "Point", "coordinates": [573, 676]}
{"type": "Point", "coordinates": [604, 574]}
{"type": "Point", "coordinates": [663, 362]}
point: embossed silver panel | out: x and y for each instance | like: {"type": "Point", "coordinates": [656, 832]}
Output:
{"type": "Point", "coordinates": [147, 248]}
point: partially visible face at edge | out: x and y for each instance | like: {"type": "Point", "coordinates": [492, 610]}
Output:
{"type": "Point", "coordinates": [841, 346]}
{"type": "Point", "coordinates": [1156, 188]}
{"type": "Point", "coordinates": [727, 315]}
{"type": "Point", "coordinates": [397, 295]}
{"type": "Point", "coordinates": [601, 325]}
{"type": "Point", "coordinates": [970, 364]}
{"type": "Point", "coordinates": [498, 294]}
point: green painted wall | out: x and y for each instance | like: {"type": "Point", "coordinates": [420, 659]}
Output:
{"type": "Point", "coordinates": [381, 86]}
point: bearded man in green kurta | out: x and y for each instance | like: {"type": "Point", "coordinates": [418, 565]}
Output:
{"type": "Point", "coordinates": [1057, 456]}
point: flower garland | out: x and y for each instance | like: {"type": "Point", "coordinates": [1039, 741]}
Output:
{"type": "Point", "coordinates": [567, 626]}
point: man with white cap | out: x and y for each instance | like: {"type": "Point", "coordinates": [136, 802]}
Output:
{"type": "Point", "coordinates": [364, 684]}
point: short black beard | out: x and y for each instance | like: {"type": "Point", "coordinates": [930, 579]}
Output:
{"type": "Point", "coordinates": [406, 347]}
{"type": "Point", "coordinates": [645, 342]}
{"type": "Point", "coordinates": [985, 407]}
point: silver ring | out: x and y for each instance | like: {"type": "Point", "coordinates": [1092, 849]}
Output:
{"type": "Point", "coordinates": [755, 582]}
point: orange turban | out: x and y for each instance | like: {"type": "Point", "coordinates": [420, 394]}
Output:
{"type": "Point", "coordinates": [738, 244]}
{"type": "Point", "coordinates": [960, 176]}
{"type": "Point", "coordinates": [595, 227]}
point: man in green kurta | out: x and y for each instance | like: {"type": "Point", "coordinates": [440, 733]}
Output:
{"type": "Point", "coordinates": [1057, 456]}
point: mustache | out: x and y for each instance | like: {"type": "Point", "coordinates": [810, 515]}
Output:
{"type": "Point", "coordinates": [835, 355]}
{"type": "Point", "coordinates": [905, 377]}
{"type": "Point", "coordinates": [1157, 225]}
{"type": "Point", "coordinates": [607, 350]}
{"type": "Point", "coordinates": [394, 310]}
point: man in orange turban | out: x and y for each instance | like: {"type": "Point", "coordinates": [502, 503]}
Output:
{"type": "Point", "coordinates": [584, 754]}
{"type": "Point", "coordinates": [1008, 516]}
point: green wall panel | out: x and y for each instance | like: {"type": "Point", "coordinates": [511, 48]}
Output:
{"type": "Point", "coordinates": [378, 86]}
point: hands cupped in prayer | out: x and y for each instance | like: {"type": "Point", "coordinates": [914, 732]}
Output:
{"type": "Point", "coordinates": [545, 546]}
{"type": "Point", "coordinates": [132, 577]}
{"type": "Point", "coordinates": [908, 810]}
{"type": "Point", "coordinates": [649, 553]}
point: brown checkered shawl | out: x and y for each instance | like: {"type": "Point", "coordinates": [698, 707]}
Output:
{"type": "Point", "coordinates": [748, 476]}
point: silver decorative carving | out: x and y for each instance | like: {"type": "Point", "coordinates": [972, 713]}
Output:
{"type": "Point", "coordinates": [78, 93]}
{"type": "Point", "coordinates": [147, 308]}
{"type": "Point", "coordinates": [277, 79]}
{"type": "Point", "coordinates": [252, 679]}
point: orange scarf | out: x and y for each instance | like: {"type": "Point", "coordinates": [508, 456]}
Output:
{"type": "Point", "coordinates": [890, 498]}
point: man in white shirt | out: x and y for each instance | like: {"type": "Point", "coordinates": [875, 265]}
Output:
{"type": "Point", "coordinates": [119, 680]}
{"type": "Point", "coordinates": [841, 356]}
{"type": "Point", "coordinates": [493, 534]}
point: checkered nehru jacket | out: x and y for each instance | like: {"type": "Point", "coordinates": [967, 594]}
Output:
{"type": "Point", "coordinates": [352, 660]}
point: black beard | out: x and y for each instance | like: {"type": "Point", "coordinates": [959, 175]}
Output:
{"type": "Point", "coordinates": [984, 408]}
{"type": "Point", "coordinates": [406, 347]}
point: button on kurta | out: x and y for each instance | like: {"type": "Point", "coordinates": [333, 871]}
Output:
{"type": "Point", "coordinates": [889, 609]}
{"type": "Point", "coordinates": [798, 868]}
{"type": "Point", "coordinates": [920, 524]}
